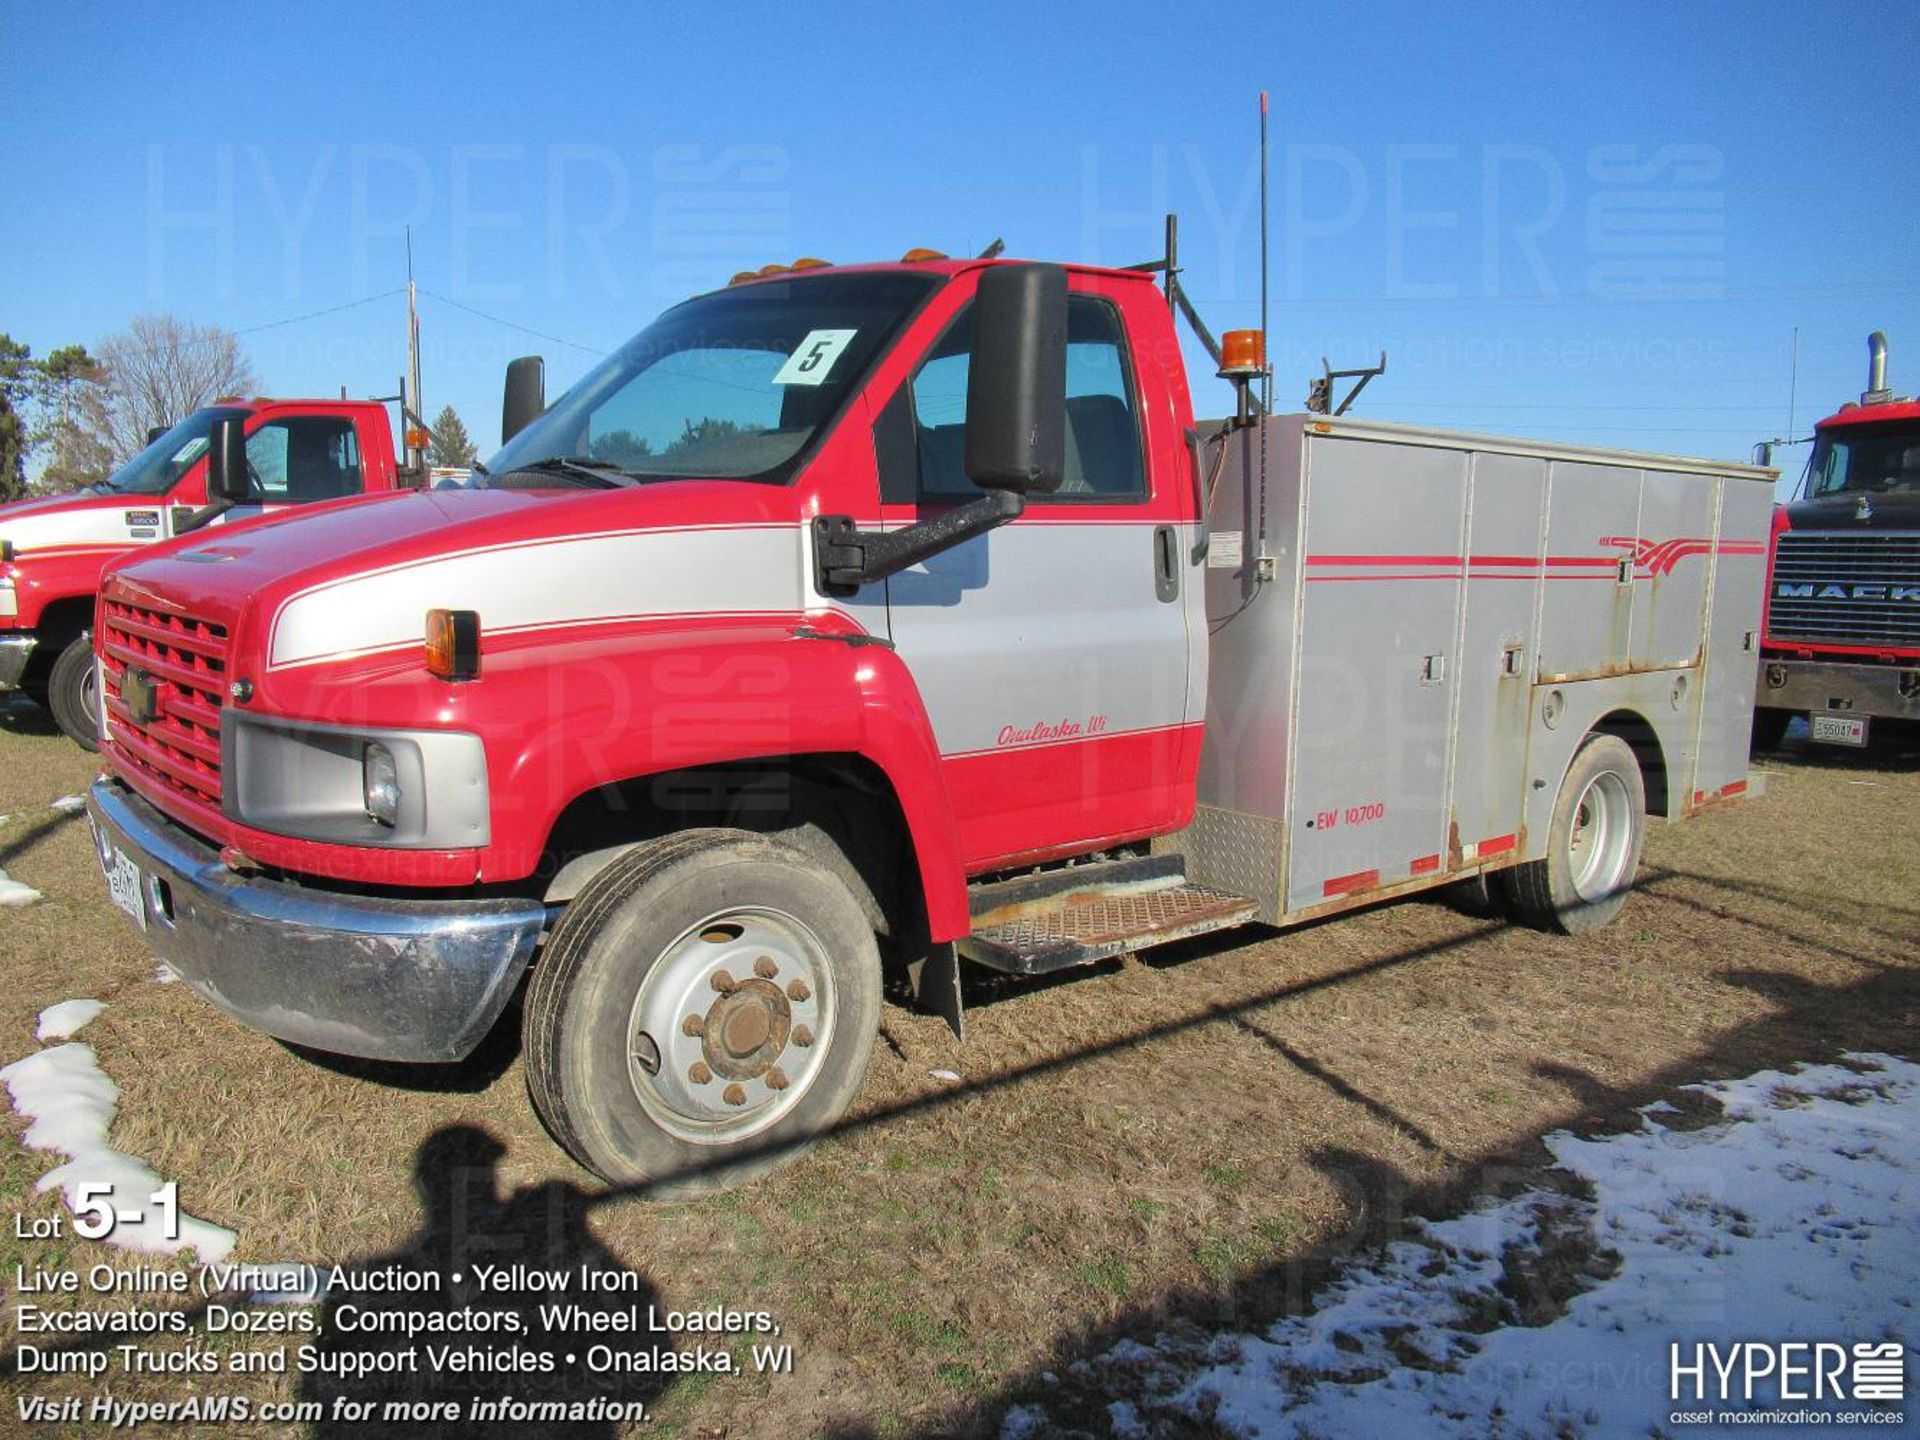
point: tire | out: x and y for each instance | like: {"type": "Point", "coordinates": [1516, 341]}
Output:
{"type": "Point", "coordinates": [1594, 840]}
{"type": "Point", "coordinates": [642, 953]}
{"type": "Point", "coordinates": [1770, 729]}
{"type": "Point", "coordinates": [70, 693]}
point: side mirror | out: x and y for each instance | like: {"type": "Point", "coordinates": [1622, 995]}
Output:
{"type": "Point", "coordinates": [1763, 453]}
{"type": "Point", "coordinates": [227, 463]}
{"type": "Point", "coordinates": [525, 400]}
{"type": "Point", "coordinates": [1017, 380]}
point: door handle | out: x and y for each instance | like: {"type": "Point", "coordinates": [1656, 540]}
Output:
{"type": "Point", "coordinates": [1166, 563]}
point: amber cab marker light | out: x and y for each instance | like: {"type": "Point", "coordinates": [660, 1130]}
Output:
{"type": "Point", "coordinates": [453, 644]}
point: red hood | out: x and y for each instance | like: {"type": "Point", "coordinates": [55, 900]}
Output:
{"type": "Point", "coordinates": [216, 576]}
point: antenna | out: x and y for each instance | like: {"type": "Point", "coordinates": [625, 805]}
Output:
{"type": "Point", "coordinates": [1793, 377]}
{"type": "Point", "coordinates": [1266, 385]}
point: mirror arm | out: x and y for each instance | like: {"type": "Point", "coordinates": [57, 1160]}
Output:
{"type": "Point", "coordinates": [205, 515]}
{"type": "Point", "coordinates": [846, 557]}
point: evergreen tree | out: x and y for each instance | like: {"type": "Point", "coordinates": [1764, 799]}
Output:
{"type": "Point", "coordinates": [450, 444]}
{"type": "Point", "coordinates": [16, 387]}
{"type": "Point", "coordinates": [79, 455]}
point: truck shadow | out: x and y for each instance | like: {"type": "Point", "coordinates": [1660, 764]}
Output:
{"type": "Point", "coordinates": [1809, 1024]}
{"type": "Point", "coordinates": [438, 1334]}
{"type": "Point", "coordinates": [497, 1295]}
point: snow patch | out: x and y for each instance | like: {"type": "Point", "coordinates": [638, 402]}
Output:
{"type": "Point", "coordinates": [12, 892]}
{"type": "Point", "coordinates": [1796, 1217]}
{"type": "Point", "coordinates": [67, 1019]}
{"type": "Point", "coordinates": [70, 1103]}
{"type": "Point", "coordinates": [70, 804]}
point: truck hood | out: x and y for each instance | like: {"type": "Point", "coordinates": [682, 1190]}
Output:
{"type": "Point", "coordinates": [1898, 510]}
{"type": "Point", "coordinates": [356, 577]}
{"type": "Point", "coordinates": [80, 520]}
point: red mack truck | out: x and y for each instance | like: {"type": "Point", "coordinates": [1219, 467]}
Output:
{"type": "Point", "coordinates": [52, 550]}
{"type": "Point", "coordinates": [897, 611]}
{"type": "Point", "coordinates": [1841, 643]}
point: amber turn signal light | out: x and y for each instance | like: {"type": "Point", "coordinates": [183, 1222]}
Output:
{"type": "Point", "coordinates": [453, 644]}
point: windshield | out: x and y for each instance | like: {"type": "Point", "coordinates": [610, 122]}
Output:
{"type": "Point", "coordinates": [1865, 459]}
{"type": "Point", "coordinates": [155, 469]}
{"type": "Point", "coordinates": [732, 385]}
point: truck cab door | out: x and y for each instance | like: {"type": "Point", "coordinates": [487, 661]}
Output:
{"type": "Point", "coordinates": [1051, 653]}
{"type": "Point", "coordinates": [301, 460]}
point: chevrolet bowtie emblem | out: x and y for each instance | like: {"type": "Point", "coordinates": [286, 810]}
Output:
{"type": "Point", "coordinates": [140, 695]}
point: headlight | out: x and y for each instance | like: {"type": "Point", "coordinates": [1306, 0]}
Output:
{"type": "Point", "coordinates": [380, 784]}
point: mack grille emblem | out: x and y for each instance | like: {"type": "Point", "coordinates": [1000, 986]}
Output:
{"type": "Point", "coordinates": [141, 696]}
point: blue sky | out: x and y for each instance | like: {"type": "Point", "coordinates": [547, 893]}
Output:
{"type": "Point", "coordinates": [1593, 223]}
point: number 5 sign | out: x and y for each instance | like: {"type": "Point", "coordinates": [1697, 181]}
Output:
{"type": "Point", "coordinates": [813, 357]}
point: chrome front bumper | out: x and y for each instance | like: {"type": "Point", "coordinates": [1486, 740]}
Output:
{"type": "Point", "coordinates": [16, 649]}
{"type": "Point", "coordinates": [421, 980]}
{"type": "Point", "coordinates": [1880, 691]}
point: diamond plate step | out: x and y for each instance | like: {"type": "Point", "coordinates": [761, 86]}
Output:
{"type": "Point", "coordinates": [1096, 922]}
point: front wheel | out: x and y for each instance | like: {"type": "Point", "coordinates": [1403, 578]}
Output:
{"type": "Point", "coordinates": [704, 1012]}
{"type": "Point", "coordinates": [73, 693]}
{"type": "Point", "coordinates": [1593, 843]}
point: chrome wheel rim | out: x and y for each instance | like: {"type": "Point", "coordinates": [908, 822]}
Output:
{"type": "Point", "coordinates": [1600, 841]}
{"type": "Point", "coordinates": [731, 1025]}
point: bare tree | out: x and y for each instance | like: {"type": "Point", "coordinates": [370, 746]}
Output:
{"type": "Point", "coordinates": [157, 371]}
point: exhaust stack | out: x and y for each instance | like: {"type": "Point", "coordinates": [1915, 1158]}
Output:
{"type": "Point", "coordinates": [1877, 392]}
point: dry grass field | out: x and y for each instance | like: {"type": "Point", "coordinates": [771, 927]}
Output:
{"type": "Point", "coordinates": [1181, 1139]}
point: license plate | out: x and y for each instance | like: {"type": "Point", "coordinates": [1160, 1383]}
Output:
{"type": "Point", "coordinates": [1839, 729]}
{"type": "Point", "coordinates": [123, 884]}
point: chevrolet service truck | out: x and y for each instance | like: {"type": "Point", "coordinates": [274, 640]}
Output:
{"type": "Point", "coordinates": [53, 549]}
{"type": "Point", "coordinates": [890, 610]}
{"type": "Point", "coordinates": [1841, 643]}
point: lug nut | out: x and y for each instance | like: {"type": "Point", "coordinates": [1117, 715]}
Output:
{"type": "Point", "coordinates": [724, 983]}
{"type": "Point", "coordinates": [776, 1079]}
{"type": "Point", "coordinates": [765, 968]}
{"type": "Point", "coordinates": [734, 1095]}
{"type": "Point", "coordinates": [798, 991]}
{"type": "Point", "coordinates": [802, 1036]}
{"type": "Point", "coordinates": [694, 1025]}
{"type": "Point", "coordinates": [698, 1073]}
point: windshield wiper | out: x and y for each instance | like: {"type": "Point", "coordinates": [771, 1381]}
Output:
{"type": "Point", "coordinates": [577, 468]}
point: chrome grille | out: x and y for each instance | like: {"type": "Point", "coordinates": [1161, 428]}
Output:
{"type": "Point", "coordinates": [186, 662]}
{"type": "Point", "coordinates": [1865, 589]}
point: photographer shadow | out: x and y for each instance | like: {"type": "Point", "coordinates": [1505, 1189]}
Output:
{"type": "Point", "coordinates": [377, 1366]}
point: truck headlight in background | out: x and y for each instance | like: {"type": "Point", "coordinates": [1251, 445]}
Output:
{"type": "Point", "coordinates": [354, 785]}
{"type": "Point", "coordinates": [380, 784]}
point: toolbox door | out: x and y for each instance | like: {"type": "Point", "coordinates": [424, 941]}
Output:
{"type": "Point", "coordinates": [1381, 574]}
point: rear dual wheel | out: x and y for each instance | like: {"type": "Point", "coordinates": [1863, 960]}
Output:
{"type": "Point", "coordinates": [704, 1012]}
{"type": "Point", "coordinates": [1594, 840]}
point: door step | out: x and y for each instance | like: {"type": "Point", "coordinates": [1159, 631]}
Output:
{"type": "Point", "coordinates": [1085, 913]}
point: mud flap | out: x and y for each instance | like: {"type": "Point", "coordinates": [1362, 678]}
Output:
{"type": "Point", "coordinates": [935, 980]}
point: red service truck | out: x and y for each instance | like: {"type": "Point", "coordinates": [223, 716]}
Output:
{"type": "Point", "coordinates": [894, 614]}
{"type": "Point", "coordinates": [1841, 643]}
{"type": "Point", "coordinates": [52, 550]}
